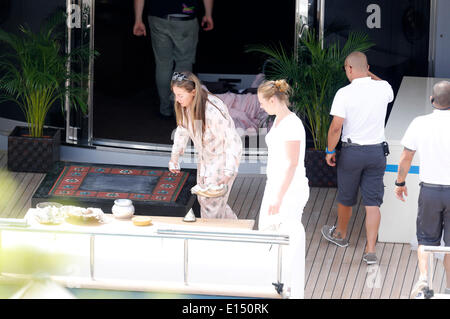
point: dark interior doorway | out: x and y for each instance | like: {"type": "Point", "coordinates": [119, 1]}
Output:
{"type": "Point", "coordinates": [401, 38]}
{"type": "Point", "coordinates": [125, 99]}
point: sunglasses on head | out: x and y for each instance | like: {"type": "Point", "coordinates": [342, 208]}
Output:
{"type": "Point", "coordinates": [177, 76]}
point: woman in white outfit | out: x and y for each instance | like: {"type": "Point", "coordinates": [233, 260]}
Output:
{"type": "Point", "coordinates": [287, 189]}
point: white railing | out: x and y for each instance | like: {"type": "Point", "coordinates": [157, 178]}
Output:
{"type": "Point", "coordinates": [252, 237]}
{"type": "Point", "coordinates": [433, 250]}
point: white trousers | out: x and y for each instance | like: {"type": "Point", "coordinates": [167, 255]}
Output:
{"type": "Point", "coordinates": [288, 222]}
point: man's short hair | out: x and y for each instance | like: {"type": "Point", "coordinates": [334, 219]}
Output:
{"type": "Point", "coordinates": [358, 60]}
{"type": "Point", "coordinates": [441, 93]}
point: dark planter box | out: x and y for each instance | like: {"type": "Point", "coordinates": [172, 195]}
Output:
{"type": "Point", "coordinates": [33, 155]}
{"type": "Point", "coordinates": [318, 172]}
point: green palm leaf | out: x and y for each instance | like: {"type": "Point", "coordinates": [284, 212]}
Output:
{"type": "Point", "coordinates": [33, 71]}
{"type": "Point", "coordinates": [315, 73]}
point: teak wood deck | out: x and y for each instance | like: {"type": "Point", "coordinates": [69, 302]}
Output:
{"type": "Point", "coordinates": [331, 272]}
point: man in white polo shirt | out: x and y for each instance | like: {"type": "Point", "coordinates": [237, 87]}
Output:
{"type": "Point", "coordinates": [429, 136]}
{"type": "Point", "coordinates": [359, 113]}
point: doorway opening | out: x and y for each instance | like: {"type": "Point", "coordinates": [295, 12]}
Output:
{"type": "Point", "coordinates": [125, 99]}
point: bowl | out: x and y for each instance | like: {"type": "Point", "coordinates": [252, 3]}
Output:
{"type": "Point", "coordinates": [49, 213]}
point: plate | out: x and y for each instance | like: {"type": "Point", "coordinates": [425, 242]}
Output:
{"type": "Point", "coordinates": [83, 216]}
{"type": "Point", "coordinates": [142, 221]}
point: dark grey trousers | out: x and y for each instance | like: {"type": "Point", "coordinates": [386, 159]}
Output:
{"type": "Point", "coordinates": [433, 216]}
{"type": "Point", "coordinates": [361, 167]}
{"type": "Point", "coordinates": [174, 47]}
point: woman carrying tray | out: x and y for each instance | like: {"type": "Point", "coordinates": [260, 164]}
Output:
{"type": "Point", "coordinates": [204, 118]}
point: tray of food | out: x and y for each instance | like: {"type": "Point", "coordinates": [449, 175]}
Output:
{"type": "Point", "coordinates": [210, 190]}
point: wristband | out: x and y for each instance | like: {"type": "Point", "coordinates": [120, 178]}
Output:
{"type": "Point", "coordinates": [400, 184]}
{"type": "Point", "coordinates": [328, 152]}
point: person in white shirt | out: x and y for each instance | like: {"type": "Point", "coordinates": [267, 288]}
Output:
{"type": "Point", "coordinates": [359, 113]}
{"type": "Point", "coordinates": [429, 136]}
{"type": "Point", "coordinates": [287, 190]}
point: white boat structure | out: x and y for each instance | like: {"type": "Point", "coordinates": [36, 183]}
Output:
{"type": "Point", "coordinates": [205, 257]}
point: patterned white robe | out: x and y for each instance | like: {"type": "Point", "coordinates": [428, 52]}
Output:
{"type": "Point", "coordinates": [220, 152]}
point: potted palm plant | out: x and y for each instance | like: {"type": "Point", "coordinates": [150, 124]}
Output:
{"type": "Point", "coordinates": [34, 74]}
{"type": "Point", "coordinates": [315, 73]}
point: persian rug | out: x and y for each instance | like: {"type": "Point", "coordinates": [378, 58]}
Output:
{"type": "Point", "coordinates": [151, 189]}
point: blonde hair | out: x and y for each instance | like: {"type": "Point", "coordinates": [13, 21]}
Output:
{"type": "Point", "coordinates": [278, 88]}
{"type": "Point", "coordinates": [190, 82]}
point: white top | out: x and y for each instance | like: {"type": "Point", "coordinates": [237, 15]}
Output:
{"type": "Point", "coordinates": [363, 104]}
{"type": "Point", "coordinates": [429, 136]}
{"type": "Point", "coordinates": [289, 129]}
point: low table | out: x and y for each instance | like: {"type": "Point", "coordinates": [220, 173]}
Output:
{"type": "Point", "coordinates": [126, 227]}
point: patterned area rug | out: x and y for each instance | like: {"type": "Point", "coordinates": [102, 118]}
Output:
{"type": "Point", "coordinates": [112, 183]}
{"type": "Point", "coordinates": [153, 190]}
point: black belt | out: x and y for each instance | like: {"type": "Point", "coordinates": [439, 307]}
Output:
{"type": "Point", "coordinates": [346, 144]}
{"type": "Point", "coordinates": [177, 17]}
{"type": "Point", "coordinates": [384, 145]}
{"type": "Point", "coordinates": [434, 185]}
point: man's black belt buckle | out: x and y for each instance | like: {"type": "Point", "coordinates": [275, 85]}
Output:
{"type": "Point", "coordinates": [350, 143]}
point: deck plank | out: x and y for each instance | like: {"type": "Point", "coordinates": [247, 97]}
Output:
{"type": "Point", "coordinates": [244, 189]}
{"type": "Point", "coordinates": [250, 197]}
{"type": "Point", "coordinates": [235, 190]}
{"type": "Point", "coordinates": [256, 205]}
{"type": "Point", "coordinates": [391, 272]}
{"type": "Point", "coordinates": [21, 208]}
{"type": "Point", "coordinates": [438, 275]}
{"type": "Point", "coordinates": [355, 242]}
{"type": "Point", "coordinates": [307, 211]}
{"type": "Point", "coordinates": [324, 257]}
{"type": "Point", "coordinates": [10, 182]}
{"type": "Point", "coordinates": [383, 268]}
{"type": "Point", "coordinates": [400, 275]}
{"type": "Point", "coordinates": [411, 270]}
{"type": "Point", "coordinates": [314, 238]}
{"type": "Point", "coordinates": [311, 227]}
{"type": "Point", "coordinates": [22, 180]}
